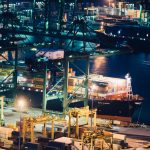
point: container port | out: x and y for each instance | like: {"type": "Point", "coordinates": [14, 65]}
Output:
{"type": "Point", "coordinates": [74, 74]}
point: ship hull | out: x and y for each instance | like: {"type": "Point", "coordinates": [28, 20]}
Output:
{"type": "Point", "coordinates": [136, 39]}
{"type": "Point", "coordinates": [118, 108]}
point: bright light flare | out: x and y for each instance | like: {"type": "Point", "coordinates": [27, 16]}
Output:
{"type": "Point", "coordinates": [21, 103]}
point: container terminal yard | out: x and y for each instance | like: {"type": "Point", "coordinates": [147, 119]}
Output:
{"type": "Point", "coordinates": [50, 99]}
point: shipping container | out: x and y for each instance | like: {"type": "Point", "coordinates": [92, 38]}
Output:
{"type": "Point", "coordinates": [57, 145]}
{"type": "Point", "coordinates": [5, 132]}
{"type": "Point", "coordinates": [33, 146]}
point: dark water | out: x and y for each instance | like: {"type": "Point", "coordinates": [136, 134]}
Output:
{"type": "Point", "coordinates": [138, 65]}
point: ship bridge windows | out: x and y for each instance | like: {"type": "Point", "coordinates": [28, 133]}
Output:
{"type": "Point", "coordinates": [102, 84]}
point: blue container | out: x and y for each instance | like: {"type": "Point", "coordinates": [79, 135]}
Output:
{"type": "Point", "coordinates": [33, 146]}
{"type": "Point", "coordinates": [51, 148]}
{"type": "Point", "coordinates": [57, 145]}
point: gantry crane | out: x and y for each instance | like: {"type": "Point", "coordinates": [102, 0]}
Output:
{"type": "Point", "coordinates": [30, 122]}
{"type": "Point", "coordinates": [77, 113]}
{"type": "Point", "coordinates": [89, 138]}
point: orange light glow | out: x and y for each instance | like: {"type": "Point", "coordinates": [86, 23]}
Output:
{"type": "Point", "coordinates": [98, 63]}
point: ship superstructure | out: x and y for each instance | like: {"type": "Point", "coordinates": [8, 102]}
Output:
{"type": "Point", "coordinates": [112, 97]}
{"type": "Point", "coordinates": [105, 88]}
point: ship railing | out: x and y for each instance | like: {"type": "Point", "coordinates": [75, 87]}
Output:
{"type": "Point", "coordinates": [137, 125]}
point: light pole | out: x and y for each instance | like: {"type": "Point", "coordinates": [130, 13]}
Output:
{"type": "Point", "coordinates": [2, 110]}
{"type": "Point", "coordinates": [21, 105]}
{"type": "Point", "coordinates": [109, 2]}
{"type": "Point", "coordinates": [92, 90]}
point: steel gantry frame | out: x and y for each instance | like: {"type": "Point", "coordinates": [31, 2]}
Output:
{"type": "Point", "coordinates": [70, 57]}
{"type": "Point", "coordinates": [47, 10]}
{"type": "Point", "coordinates": [77, 113]}
{"type": "Point", "coordinates": [8, 18]}
{"type": "Point", "coordinates": [67, 99]}
{"type": "Point", "coordinates": [67, 61]}
{"type": "Point", "coordinates": [78, 25]}
{"type": "Point", "coordinates": [30, 122]}
{"type": "Point", "coordinates": [72, 54]}
{"type": "Point", "coordinates": [8, 43]}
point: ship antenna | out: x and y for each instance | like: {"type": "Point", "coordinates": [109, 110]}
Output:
{"type": "Point", "coordinates": [129, 86]}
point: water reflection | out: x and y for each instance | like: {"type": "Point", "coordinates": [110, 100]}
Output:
{"type": "Point", "coordinates": [99, 65]}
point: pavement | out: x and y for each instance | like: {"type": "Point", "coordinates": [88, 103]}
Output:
{"type": "Point", "coordinates": [137, 138]}
{"type": "Point", "coordinates": [11, 115]}
{"type": "Point", "coordinates": [133, 131]}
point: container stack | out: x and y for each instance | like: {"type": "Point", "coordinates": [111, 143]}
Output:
{"type": "Point", "coordinates": [5, 134]}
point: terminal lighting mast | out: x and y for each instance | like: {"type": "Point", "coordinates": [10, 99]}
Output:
{"type": "Point", "coordinates": [2, 110]}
